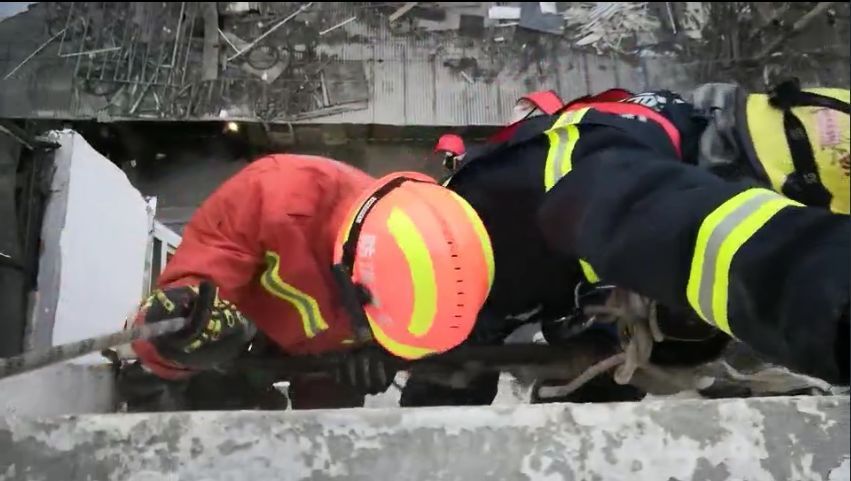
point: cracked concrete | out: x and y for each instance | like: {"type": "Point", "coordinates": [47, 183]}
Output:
{"type": "Point", "coordinates": [754, 439]}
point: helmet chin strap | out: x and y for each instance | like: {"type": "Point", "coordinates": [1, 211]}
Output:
{"type": "Point", "coordinates": [355, 295]}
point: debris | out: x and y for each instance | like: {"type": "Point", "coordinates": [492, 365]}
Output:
{"type": "Point", "coordinates": [451, 22]}
{"type": "Point", "coordinates": [344, 82]}
{"type": "Point", "coordinates": [91, 52]}
{"type": "Point", "coordinates": [673, 21]}
{"type": "Point", "coordinates": [499, 39]}
{"type": "Point", "coordinates": [801, 24]}
{"type": "Point", "coordinates": [472, 26]}
{"type": "Point", "coordinates": [263, 57]}
{"type": "Point", "coordinates": [231, 43]}
{"type": "Point", "coordinates": [267, 62]}
{"type": "Point", "coordinates": [34, 53]}
{"type": "Point", "coordinates": [326, 100]}
{"type": "Point", "coordinates": [402, 11]}
{"type": "Point", "coordinates": [436, 14]}
{"type": "Point", "coordinates": [504, 13]}
{"type": "Point", "coordinates": [606, 25]}
{"type": "Point", "coordinates": [548, 7]}
{"type": "Point", "coordinates": [210, 57]}
{"type": "Point", "coordinates": [335, 27]}
{"type": "Point", "coordinates": [694, 19]}
{"type": "Point", "coordinates": [467, 77]}
{"type": "Point", "coordinates": [532, 18]}
{"type": "Point", "coordinates": [232, 8]}
{"type": "Point", "coordinates": [272, 29]}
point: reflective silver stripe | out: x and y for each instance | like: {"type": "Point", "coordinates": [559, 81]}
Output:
{"type": "Point", "coordinates": [713, 247]}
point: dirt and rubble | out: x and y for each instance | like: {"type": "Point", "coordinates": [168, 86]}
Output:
{"type": "Point", "coordinates": [291, 61]}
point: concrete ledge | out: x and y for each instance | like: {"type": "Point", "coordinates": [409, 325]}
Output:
{"type": "Point", "coordinates": [57, 390]}
{"type": "Point", "coordinates": [755, 439]}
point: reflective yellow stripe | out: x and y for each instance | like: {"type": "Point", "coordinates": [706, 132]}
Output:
{"type": "Point", "coordinates": [396, 348]}
{"type": "Point", "coordinates": [590, 275]}
{"type": "Point", "coordinates": [562, 136]}
{"type": "Point", "coordinates": [307, 307]}
{"type": "Point", "coordinates": [722, 233]}
{"type": "Point", "coordinates": [414, 248]}
{"type": "Point", "coordinates": [481, 233]}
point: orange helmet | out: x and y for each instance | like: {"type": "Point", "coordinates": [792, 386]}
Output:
{"type": "Point", "coordinates": [417, 261]}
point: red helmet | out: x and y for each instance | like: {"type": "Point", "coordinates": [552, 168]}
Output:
{"type": "Point", "coordinates": [451, 143]}
{"type": "Point", "coordinates": [544, 100]}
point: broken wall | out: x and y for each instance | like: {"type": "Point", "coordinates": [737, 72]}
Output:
{"type": "Point", "coordinates": [94, 237]}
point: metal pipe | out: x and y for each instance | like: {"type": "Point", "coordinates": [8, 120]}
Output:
{"type": "Point", "coordinates": [177, 36]}
{"type": "Point", "coordinates": [188, 47]}
{"type": "Point", "coordinates": [227, 40]}
{"type": "Point", "coordinates": [91, 52]}
{"type": "Point", "coordinates": [33, 360]}
{"type": "Point", "coordinates": [33, 54]}
{"type": "Point", "coordinates": [67, 22]}
{"type": "Point", "coordinates": [335, 27]}
{"type": "Point", "coordinates": [83, 41]}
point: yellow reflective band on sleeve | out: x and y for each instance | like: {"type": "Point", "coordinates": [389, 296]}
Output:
{"type": "Point", "coordinates": [562, 136]}
{"type": "Point", "coordinates": [721, 235]}
{"type": "Point", "coordinates": [307, 307]}
{"type": "Point", "coordinates": [396, 348]}
{"type": "Point", "coordinates": [590, 275]}
{"type": "Point", "coordinates": [414, 248]}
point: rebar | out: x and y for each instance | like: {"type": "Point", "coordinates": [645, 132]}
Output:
{"type": "Point", "coordinates": [33, 54]}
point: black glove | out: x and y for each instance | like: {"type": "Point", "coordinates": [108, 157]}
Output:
{"type": "Point", "coordinates": [369, 370]}
{"type": "Point", "coordinates": [217, 332]}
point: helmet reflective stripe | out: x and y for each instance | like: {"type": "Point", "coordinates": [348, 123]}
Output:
{"type": "Point", "coordinates": [396, 348]}
{"type": "Point", "coordinates": [415, 250]}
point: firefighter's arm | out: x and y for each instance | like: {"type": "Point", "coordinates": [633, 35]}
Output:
{"type": "Point", "coordinates": [220, 249]}
{"type": "Point", "coordinates": [767, 270]}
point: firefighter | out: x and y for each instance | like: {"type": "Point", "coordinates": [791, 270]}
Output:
{"type": "Point", "coordinates": [635, 193]}
{"type": "Point", "coordinates": [451, 146]}
{"type": "Point", "coordinates": [413, 255]}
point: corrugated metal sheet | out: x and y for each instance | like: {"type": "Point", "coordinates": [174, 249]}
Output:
{"type": "Point", "coordinates": [412, 86]}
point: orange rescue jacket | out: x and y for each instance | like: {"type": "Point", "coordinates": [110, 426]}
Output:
{"type": "Point", "coordinates": [266, 238]}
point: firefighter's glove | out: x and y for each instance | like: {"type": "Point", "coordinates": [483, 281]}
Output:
{"type": "Point", "coordinates": [217, 331]}
{"type": "Point", "coordinates": [369, 370]}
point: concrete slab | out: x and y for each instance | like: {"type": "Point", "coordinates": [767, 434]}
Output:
{"type": "Point", "coordinates": [754, 439]}
{"type": "Point", "coordinates": [58, 390]}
